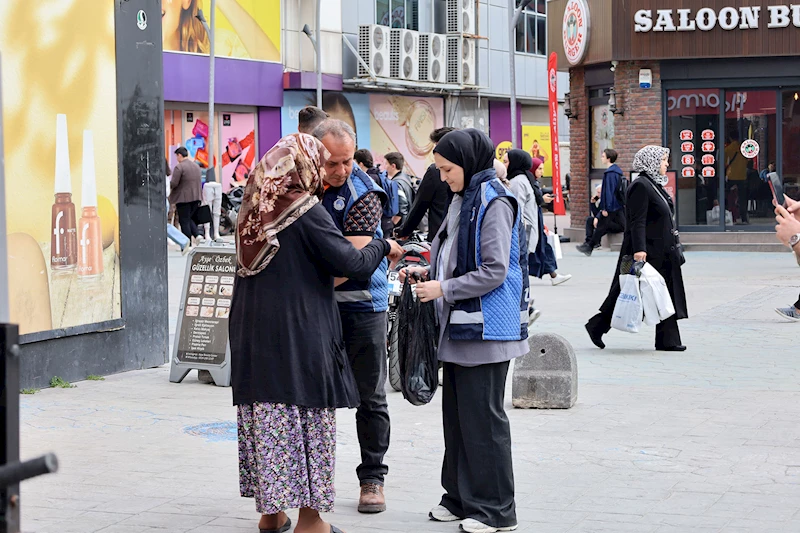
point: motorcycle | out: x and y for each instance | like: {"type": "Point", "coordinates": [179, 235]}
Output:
{"type": "Point", "coordinates": [417, 253]}
{"type": "Point", "coordinates": [229, 212]}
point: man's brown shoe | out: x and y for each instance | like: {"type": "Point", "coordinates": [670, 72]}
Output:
{"type": "Point", "coordinates": [372, 499]}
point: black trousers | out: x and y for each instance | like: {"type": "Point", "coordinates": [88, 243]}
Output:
{"type": "Point", "coordinates": [365, 342]}
{"type": "Point", "coordinates": [613, 223]}
{"type": "Point", "coordinates": [589, 228]}
{"type": "Point", "coordinates": [185, 213]}
{"type": "Point", "coordinates": [477, 472]}
{"type": "Point", "coordinates": [667, 332]}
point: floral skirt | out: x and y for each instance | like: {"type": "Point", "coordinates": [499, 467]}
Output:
{"type": "Point", "coordinates": [287, 456]}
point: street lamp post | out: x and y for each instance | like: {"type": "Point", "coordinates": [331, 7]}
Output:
{"type": "Point", "coordinates": [209, 26]}
{"type": "Point", "coordinates": [315, 42]}
{"type": "Point", "coordinates": [515, 12]}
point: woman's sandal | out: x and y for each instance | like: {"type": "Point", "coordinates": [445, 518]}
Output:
{"type": "Point", "coordinates": [283, 529]}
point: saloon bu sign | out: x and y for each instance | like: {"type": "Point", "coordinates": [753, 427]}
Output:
{"type": "Point", "coordinates": [706, 18]}
{"type": "Point", "coordinates": [575, 31]}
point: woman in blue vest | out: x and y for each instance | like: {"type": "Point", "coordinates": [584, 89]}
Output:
{"type": "Point", "coordinates": [479, 280]}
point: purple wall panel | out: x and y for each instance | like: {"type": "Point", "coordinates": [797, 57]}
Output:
{"type": "Point", "coordinates": [269, 128]}
{"type": "Point", "coordinates": [500, 122]}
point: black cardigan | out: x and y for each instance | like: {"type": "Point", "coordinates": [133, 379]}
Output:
{"type": "Point", "coordinates": [285, 331]}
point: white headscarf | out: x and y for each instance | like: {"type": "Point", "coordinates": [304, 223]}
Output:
{"type": "Point", "coordinates": [648, 161]}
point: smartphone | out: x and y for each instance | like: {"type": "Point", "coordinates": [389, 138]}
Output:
{"type": "Point", "coordinates": [776, 187]}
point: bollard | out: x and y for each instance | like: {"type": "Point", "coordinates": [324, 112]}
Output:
{"type": "Point", "coordinates": [546, 378]}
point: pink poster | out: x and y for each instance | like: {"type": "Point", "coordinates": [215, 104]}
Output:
{"type": "Point", "coordinates": [238, 148]}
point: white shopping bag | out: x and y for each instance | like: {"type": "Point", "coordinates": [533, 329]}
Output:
{"type": "Point", "coordinates": [555, 243]}
{"type": "Point", "coordinates": [656, 301]}
{"type": "Point", "coordinates": [628, 310]}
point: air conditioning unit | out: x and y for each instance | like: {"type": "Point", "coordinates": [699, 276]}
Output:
{"type": "Point", "coordinates": [373, 47]}
{"type": "Point", "coordinates": [432, 58]}
{"type": "Point", "coordinates": [404, 54]}
{"type": "Point", "coordinates": [461, 54]}
{"type": "Point", "coordinates": [461, 16]}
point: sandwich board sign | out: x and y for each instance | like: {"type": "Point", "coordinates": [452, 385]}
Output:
{"type": "Point", "coordinates": [201, 336]}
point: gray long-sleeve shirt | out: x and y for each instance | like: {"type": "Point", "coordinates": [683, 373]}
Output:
{"type": "Point", "coordinates": [495, 252]}
{"type": "Point", "coordinates": [523, 191]}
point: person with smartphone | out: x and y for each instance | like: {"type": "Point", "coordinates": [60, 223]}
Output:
{"type": "Point", "coordinates": [788, 232]}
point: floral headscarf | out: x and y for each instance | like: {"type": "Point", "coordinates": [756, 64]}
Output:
{"type": "Point", "coordinates": [648, 161]}
{"type": "Point", "coordinates": [283, 186]}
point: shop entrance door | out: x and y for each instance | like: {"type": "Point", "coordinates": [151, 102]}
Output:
{"type": "Point", "coordinates": [723, 143]}
{"type": "Point", "coordinates": [750, 150]}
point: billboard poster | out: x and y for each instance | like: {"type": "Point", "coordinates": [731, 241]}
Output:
{"type": "Point", "coordinates": [352, 108]}
{"type": "Point", "coordinates": [536, 141]}
{"type": "Point", "coordinates": [62, 190]}
{"type": "Point", "coordinates": [244, 29]}
{"type": "Point", "coordinates": [404, 124]}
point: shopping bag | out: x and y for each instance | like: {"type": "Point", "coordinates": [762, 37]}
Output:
{"type": "Point", "coordinates": [656, 301]}
{"type": "Point", "coordinates": [202, 215]}
{"type": "Point", "coordinates": [418, 335]}
{"type": "Point", "coordinates": [628, 309]}
{"type": "Point", "coordinates": [555, 243]}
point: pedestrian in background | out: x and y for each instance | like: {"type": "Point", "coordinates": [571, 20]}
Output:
{"type": "Point", "coordinates": [651, 236]}
{"type": "Point", "coordinates": [543, 261]}
{"type": "Point", "coordinates": [395, 164]}
{"type": "Point", "coordinates": [432, 198]}
{"type": "Point", "coordinates": [611, 218]}
{"type": "Point", "coordinates": [480, 299]}
{"type": "Point", "coordinates": [309, 118]}
{"type": "Point", "coordinates": [519, 163]}
{"type": "Point", "coordinates": [187, 192]}
{"type": "Point", "coordinates": [289, 370]}
{"type": "Point", "coordinates": [173, 233]}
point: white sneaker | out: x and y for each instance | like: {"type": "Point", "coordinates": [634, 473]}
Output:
{"type": "Point", "coordinates": [533, 317]}
{"type": "Point", "coordinates": [473, 526]}
{"type": "Point", "coordinates": [560, 278]}
{"type": "Point", "coordinates": [441, 514]}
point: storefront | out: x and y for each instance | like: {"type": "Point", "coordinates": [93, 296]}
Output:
{"type": "Point", "coordinates": [718, 83]}
{"type": "Point", "coordinates": [248, 87]}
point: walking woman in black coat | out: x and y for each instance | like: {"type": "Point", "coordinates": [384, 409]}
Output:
{"type": "Point", "coordinates": [651, 236]}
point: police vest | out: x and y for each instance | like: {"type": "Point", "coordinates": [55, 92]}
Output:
{"type": "Point", "coordinates": [501, 314]}
{"type": "Point", "coordinates": [358, 296]}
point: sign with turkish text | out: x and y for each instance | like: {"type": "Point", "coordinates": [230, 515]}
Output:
{"type": "Point", "coordinates": [706, 19]}
{"type": "Point", "coordinates": [552, 69]}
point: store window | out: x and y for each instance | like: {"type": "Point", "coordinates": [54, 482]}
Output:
{"type": "Point", "coordinates": [721, 166]}
{"type": "Point", "coordinates": [790, 169]}
{"type": "Point", "coordinates": [397, 13]}
{"type": "Point", "coordinates": [602, 133]}
{"type": "Point", "coordinates": [532, 29]}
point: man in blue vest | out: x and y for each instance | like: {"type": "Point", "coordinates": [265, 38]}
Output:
{"type": "Point", "coordinates": [354, 201]}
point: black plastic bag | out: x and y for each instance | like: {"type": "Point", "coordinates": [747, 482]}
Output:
{"type": "Point", "coordinates": [419, 366]}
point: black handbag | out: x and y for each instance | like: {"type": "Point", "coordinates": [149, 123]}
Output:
{"type": "Point", "coordinates": [202, 215]}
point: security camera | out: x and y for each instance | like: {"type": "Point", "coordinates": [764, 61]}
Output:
{"type": "Point", "coordinates": [614, 66]}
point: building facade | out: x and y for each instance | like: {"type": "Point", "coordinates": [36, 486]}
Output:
{"type": "Point", "coordinates": [716, 82]}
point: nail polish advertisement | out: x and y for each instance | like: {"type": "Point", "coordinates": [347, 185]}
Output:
{"type": "Point", "coordinates": [90, 234]}
{"type": "Point", "coordinates": [61, 165]}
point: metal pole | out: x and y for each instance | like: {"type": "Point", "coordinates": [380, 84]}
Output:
{"type": "Point", "coordinates": [512, 52]}
{"type": "Point", "coordinates": [5, 317]}
{"type": "Point", "coordinates": [318, 49]}
{"type": "Point", "coordinates": [211, 59]}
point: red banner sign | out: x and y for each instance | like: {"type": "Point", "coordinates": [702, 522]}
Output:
{"type": "Point", "coordinates": [552, 76]}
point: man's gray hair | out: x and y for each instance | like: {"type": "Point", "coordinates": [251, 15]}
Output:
{"type": "Point", "coordinates": [338, 128]}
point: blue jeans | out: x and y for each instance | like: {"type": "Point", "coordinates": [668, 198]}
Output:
{"type": "Point", "coordinates": [176, 236]}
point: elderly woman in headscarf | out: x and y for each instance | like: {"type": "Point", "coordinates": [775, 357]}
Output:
{"type": "Point", "coordinates": [289, 371]}
{"type": "Point", "coordinates": [479, 280]}
{"type": "Point", "coordinates": [521, 184]}
{"type": "Point", "coordinates": [651, 235]}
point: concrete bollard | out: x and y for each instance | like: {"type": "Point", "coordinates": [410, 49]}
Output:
{"type": "Point", "coordinates": [546, 378]}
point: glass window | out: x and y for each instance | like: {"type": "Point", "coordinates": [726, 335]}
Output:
{"type": "Point", "coordinates": [398, 13]}
{"type": "Point", "coordinates": [790, 169]}
{"type": "Point", "coordinates": [693, 137]}
{"type": "Point", "coordinates": [532, 29]}
{"type": "Point", "coordinates": [382, 12]}
{"type": "Point", "coordinates": [602, 133]}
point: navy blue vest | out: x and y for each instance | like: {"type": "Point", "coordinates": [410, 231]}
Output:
{"type": "Point", "coordinates": [502, 314]}
{"type": "Point", "coordinates": [358, 296]}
